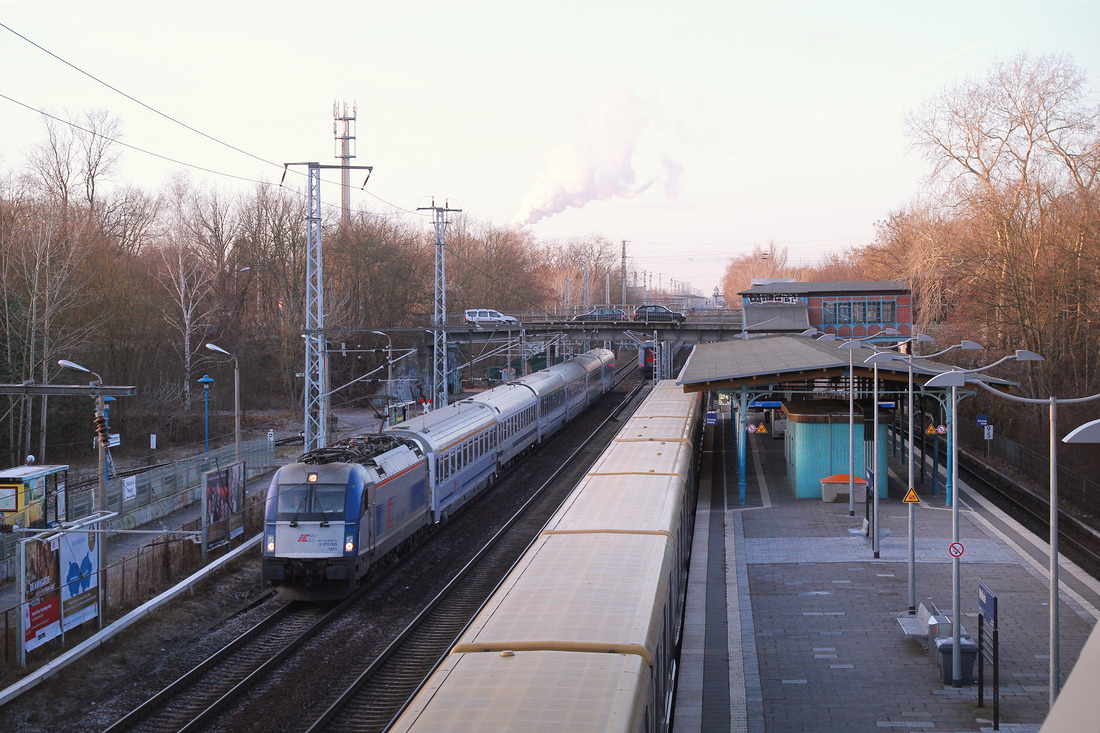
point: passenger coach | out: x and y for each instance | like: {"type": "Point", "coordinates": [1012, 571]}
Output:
{"type": "Point", "coordinates": [584, 632]}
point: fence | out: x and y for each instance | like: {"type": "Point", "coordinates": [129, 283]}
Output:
{"type": "Point", "coordinates": [155, 493]}
{"type": "Point", "coordinates": [139, 576]}
{"type": "Point", "coordinates": [1072, 486]}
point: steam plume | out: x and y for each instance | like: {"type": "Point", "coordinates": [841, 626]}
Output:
{"type": "Point", "coordinates": [615, 155]}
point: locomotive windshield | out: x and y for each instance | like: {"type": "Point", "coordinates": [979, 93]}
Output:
{"type": "Point", "coordinates": [310, 502]}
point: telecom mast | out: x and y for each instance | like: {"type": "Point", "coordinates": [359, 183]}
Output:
{"type": "Point", "coordinates": [345, 151]}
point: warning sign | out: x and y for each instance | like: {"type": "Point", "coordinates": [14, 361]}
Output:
{"type": "Point", "coordinates": [931, 429]}
{"type": "Point", "coordinates": [760, 429]}
{"type": "Point", "coordinates": [911, 497]}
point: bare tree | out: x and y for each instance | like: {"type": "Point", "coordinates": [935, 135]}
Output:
{"type": "Point", "coordinates": [185, 276]}
{"type": "Point", "coordinates": [1013, 154]}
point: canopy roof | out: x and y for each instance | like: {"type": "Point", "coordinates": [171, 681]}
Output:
{"type": "Point", "coordinates": [779, 359]}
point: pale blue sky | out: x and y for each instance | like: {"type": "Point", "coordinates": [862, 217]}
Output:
{"type": "Point", "coordinates": [700, 127]}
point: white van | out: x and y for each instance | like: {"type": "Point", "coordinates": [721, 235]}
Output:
{"type": "Point", "coordinates": [485, 315]}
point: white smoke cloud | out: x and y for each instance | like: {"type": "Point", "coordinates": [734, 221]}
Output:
{"type": "Point", "coordinates": [616, 154]}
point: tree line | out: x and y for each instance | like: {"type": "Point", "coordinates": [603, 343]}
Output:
{"type": "Point", "coordinates": [1002, 242]}
{"type": "Point", "coordinates": [133, 283]}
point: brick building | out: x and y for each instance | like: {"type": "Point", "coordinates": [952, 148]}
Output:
{"type": "Point", "coordinates": [846, 309]}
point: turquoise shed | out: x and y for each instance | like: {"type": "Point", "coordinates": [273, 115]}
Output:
{"type": "Point", "coordinates": [817, 443]}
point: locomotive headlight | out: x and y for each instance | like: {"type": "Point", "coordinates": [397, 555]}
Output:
{"type": "Point", "coordinates": [270, 542]}
{"type": "Point", "coordinates": [349, 543]}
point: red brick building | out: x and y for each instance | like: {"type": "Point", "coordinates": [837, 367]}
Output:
{"type": "Point", "coordinates": [846, 309]}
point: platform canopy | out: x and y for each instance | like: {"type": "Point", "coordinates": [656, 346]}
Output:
{"type": "Point", "coordinates": [779, 360]}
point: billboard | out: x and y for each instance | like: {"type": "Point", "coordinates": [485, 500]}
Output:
{"type": "Point", "coordinates": [79, 566]}
{"type": "Point", "coordinates": [223, 504]}
{"type": "Point", "coordinates": [41, 582]}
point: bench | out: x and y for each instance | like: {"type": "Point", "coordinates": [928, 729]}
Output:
{"type": "Point", "coordinates": [927, 625]}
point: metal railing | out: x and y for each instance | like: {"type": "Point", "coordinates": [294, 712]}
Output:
{"type": "Point", "coordinates": [153, 494]}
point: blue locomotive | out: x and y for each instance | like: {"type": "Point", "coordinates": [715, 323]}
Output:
{"type": "Point", "coordinates": [338, 510]}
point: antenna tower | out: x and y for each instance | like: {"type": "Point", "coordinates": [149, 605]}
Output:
{"type": "Point", "coordinates": [345, 151]}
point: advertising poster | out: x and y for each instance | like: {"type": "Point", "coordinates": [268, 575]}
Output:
{"type": "Point", "coordinates": [223, 503]}
{"type": "Point", "coordinates": [42, 611]}
{"type": "Point", "coordinates": [129, 488]}
{"type": "Point", "coordinates": [79, 558]}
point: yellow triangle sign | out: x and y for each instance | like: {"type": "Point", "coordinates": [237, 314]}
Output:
{"type": "Point", "coordinates": [911, 497]}
{"type": "Point", "coordinates": [931, 430]}
{"type": "Point", "coordinates": [761, 429]}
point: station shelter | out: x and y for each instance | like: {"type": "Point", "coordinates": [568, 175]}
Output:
{"type": "Point", "coordinates": [814, 381]}
{"type": "Point", "coordinates": [32, 495]}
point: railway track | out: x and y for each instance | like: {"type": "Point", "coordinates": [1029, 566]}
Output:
{"type": "Point", "coordinates": [384, 686]}
{"type": "Point", "coordinates": [1077, 539]}
{"type": "Point", "coordinates": [196, 699]}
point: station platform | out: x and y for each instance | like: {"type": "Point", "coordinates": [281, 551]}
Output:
{"type": "Point", "coordinates": [792, 623]}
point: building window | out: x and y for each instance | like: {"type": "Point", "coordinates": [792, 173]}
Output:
{"type": "Point", "coordinates": [843, 312]}
{"type": "Point", "coordinates": [874, 311]}
{"type": "Point", "coordinates": [889, 311]}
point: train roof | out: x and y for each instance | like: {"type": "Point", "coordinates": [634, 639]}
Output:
{"type": "Point", "coordinates": [585, 592]}
{"type": "Point", "coordinates": [539, 691]}
{"type": "Point", "coordinates": [542, 382]}
{"type": "Point", "coordinates": [506, 398]}
{"type": "Point", "coordinates": [658, 457]}
{"type": "Point", "coordinates": [622, 502]}
{"type": "Point", "coordinates": [439, 429]}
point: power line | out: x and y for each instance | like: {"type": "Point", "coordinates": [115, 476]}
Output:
{"type": "Point", "coordinates": [168, 117]}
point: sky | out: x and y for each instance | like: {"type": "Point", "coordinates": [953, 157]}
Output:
{"type": "Point", "coordinates": [692, 130]}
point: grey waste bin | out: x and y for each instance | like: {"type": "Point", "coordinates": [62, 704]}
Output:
{"type": "Point", "coordinates": [969, 650]}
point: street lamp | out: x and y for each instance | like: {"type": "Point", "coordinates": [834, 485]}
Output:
{"type": "Point", "coordinates": [954, 379]}
{"type": "Point", "coordinates": [100, 414]}
{"type": "Point", "coordinates": [236, 400]}
{"type": "Point", "coordinates": [206, 381]}
{"type": "Point", "coordinates": [919, 338]}
{"type": "Point", "coordinates": [850, 345]}
{"type": "Point", "coordinates": [1087, 433]}
{"type": "Point", "coordinates": [389, 371]}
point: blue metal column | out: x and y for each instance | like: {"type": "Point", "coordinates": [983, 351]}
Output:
{"type": "Point", "coordinates": [742, 442]}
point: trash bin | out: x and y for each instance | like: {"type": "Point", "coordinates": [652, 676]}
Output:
{"type": "Point", "coordinates": [969, 650]}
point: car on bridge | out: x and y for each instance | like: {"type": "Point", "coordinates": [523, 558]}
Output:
{"type": "Point", "coordinates": [602, 314]}
{"type": "Point", "coordinates": [479, 316]}
{"type": "Point", "coordinates": [649, 313]}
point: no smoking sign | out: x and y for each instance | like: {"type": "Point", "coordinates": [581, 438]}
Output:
{"type": "Point", "coordinates": [956, 549]}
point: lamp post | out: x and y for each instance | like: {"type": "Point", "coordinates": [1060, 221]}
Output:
{"type": "Point", "coordinates": [919, 338]}
{"type": "Point", "coordinates": [206, 381]}
{"type": "Point", "coordinates": [236, 400]}
{"type": "Point", "coordinates": [389, 371]}
{"type": "Point", "coordinates": [851, 345]}
{"type": "Point", "coordinates": [955, 379]}
{"type": "Point", "coordinates": [1087, 433]}
{"type": "Point", "coordinates": [100, 414]}
{"type": "Point", "coordinates": [877, 473]}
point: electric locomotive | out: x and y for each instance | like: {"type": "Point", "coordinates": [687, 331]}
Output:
{"type": "Point", "coordinates": [338, 510]}
{"type": "Point", "coordinates": [329, 515]}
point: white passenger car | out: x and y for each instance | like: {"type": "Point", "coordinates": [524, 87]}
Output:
{"type": "Point", "coordinates": [479, 316]}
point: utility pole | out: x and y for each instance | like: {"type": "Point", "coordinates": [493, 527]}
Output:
{"type": "Point", "coordinates": [345, 151]}
{"type": "Point", "coordinates": [624, 273]}
{"type": "Point", "coordinates": [439, 318]}
{"type": "Point", "coordinates": [316, 373]}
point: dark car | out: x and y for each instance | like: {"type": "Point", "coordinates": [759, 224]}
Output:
{"type": "Point", "coordinates": [602, 314]}
{"type": "Point", "coordinates": [657, 313]}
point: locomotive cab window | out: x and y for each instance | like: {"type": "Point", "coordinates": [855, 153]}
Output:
{"type": "Point", "coordinates": [305, 502]}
